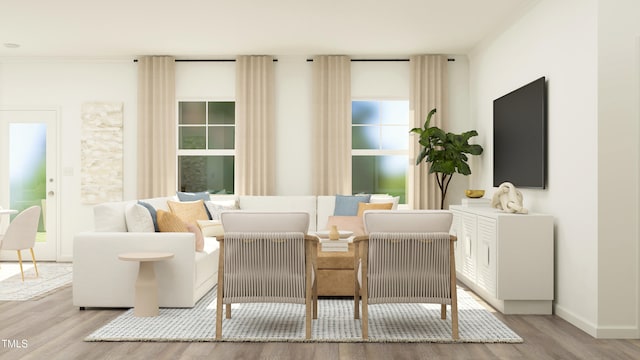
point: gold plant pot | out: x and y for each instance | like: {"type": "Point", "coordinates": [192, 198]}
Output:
{"type": "Point", "coordinates": [474, 194]}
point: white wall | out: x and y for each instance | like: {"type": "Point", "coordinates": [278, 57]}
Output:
{"type": "Point", "coordinates": [592, 153]}
{"type": "Point", "coordinates": [66, 84]}
{"type": "Point", "coordinates": [618, 162]}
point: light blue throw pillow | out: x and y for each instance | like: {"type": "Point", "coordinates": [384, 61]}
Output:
{"type": "Point", "coordinates": [189, 196]}
{"type": "Point", "coordinates": [347, 205]}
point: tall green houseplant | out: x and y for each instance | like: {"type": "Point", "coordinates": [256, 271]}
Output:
{"type": "Point", "coordinates": [445, 153]}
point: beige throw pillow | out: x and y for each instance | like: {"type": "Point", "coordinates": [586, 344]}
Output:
{"type": "Point", "coordinates": [211, 228]}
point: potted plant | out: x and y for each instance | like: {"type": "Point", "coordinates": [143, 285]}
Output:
{"type": "Point", "coordinates": [445, 153]}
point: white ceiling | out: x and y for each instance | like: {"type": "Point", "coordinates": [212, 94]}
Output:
{"type": "Point", "coordinates": [219, 29]}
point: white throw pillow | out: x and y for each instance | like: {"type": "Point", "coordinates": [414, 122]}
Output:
{"type": "Point", "coordinates": [138, 219]}
{"type": "Point", "coordinates": [216, 207]}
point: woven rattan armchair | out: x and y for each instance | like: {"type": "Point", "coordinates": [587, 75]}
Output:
{"type": "Point", "coordinates": [407, 257]}
{"type": "Point", "coordinates": [267, 257]}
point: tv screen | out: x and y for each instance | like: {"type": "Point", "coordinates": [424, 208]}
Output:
{"type": "Point", "coordinates": [520, 136]}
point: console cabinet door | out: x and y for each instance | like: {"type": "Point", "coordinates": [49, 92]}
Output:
{"type": "Point", "coordinates": [458, 248]}
{"type": "Point", "coordinates": [468, 242]}
{"type": "Point", "coordinates": [486, 261]}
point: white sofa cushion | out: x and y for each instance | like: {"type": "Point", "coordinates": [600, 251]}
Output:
{"type": "Point", "coordinates": [246, 221]}
{"type": "Point", "coordinates": [110, 217]}
{"type": "Point", "coordinates": [281, 204]}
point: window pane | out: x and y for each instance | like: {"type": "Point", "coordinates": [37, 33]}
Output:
{"type": "Point", "coordinates": [221, 137]}
{"type": "Point", "coordinates": [394, 112]}
{"type": "Point", "coordinates": [380, 175]}
{"type": "Point", "coordinates": [191, 137]}
{"type": "Point", "coordinates": [365, 137]}
{"type": "Point", "coordinates": [206, 173]}
{"type": "Point", "coordinates": [222, 112]}
{"type": "Point", "coordinates": [395, 137]}
{"type": "Point", "coordinates": [192, 113]}
{"type": "Point", "coordinates": [365, 112]}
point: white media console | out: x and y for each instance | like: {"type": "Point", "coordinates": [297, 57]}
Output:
{"type": "Point", "coordinates": [507, 259]}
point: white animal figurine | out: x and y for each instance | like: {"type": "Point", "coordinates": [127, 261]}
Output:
{"type": "Point", "coordinates": [509, 199]}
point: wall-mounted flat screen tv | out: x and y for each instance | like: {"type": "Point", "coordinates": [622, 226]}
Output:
{"type": "Point", "coordinates": [520, 136]}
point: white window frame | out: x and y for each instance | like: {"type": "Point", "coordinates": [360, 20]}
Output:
{"type": "Point", "coordinates": [206, 151]}
{"type": "Point", "coordinates": [384, 152]}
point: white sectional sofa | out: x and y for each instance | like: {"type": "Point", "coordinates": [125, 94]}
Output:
{"type": "Point", "coordinates": [100, 279]}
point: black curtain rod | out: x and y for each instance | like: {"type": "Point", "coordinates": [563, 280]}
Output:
{"type": "Point", "coordinates": [205, 60]}
{"type": "Point", "coordinates": [276, 60]}
{"type": "Point", "coordinates": [379, 60]}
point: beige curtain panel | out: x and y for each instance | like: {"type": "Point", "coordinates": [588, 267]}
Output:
{"type": "Point", "coordinates": [156, 126]}
{"type": "Point", "coordinates": [254, 138]}
{"type": "Point", "coordinates": [332, 125]}
{"type": "Point", "coordinates": [428, 91]}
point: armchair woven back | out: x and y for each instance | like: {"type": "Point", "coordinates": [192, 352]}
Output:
{"type": "Point", "coordinates": [264, 267]}
{"type": "Point", "coordinates": [409, 268]}
{"type": "Point", "coordinates": [407, 258]}
{"type": "Point", "coordinates": [266, 257]}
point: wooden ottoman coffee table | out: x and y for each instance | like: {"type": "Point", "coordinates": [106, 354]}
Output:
{"type": "Point", "coordinates": [335, 272]}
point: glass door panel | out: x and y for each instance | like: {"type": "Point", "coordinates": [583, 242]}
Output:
{"type": "Point", "coordinates": [28, 155]}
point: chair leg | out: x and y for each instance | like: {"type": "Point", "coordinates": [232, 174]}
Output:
{"type": "Point", "coordinates": [33, 258]}
{"type": "Point", "coordinates": [443, 311]}
{"type": "Point", "coordinates": [454, 319]}
{"type": "Point", "coordinates": [365, 318]}
{"type": "Point", "coordinates": [227, 308]}
{"type": "Point", "coordinates": [315, 299]}
{"type": "Point", "coordinates": [20, 261]}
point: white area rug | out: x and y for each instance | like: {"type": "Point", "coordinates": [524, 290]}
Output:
{"type": "Point", "coordinates": [285, 323]}
{"type": "Point", "coordinates": [52, 276]}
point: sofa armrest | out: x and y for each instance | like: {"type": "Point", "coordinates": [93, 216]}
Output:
{"type": "Point", "coordinates": [100, 279]}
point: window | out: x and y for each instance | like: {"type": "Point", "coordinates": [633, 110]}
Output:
{"type": "Point", "coordinates": [380, 146]}
{"type": "Point", "coordinates": [206, 146]}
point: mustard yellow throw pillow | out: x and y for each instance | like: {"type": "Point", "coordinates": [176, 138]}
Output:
{"type": "Point", "coordinates": [373, 206]}
{"type": "Point", "coordinates": [168, 222]}
{"type": "Point", "coordinates": [189, 211]}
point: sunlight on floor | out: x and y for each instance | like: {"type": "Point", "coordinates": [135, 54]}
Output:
{"type": "Point", "coordinates": [8, 269]}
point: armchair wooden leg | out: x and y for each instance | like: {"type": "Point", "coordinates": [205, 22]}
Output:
{"type": "Point", "coordinates": [356, 304]}
{"type": "Point", "coordinates": [227, 308]}
{"type": "Point", "coordinates": [315, 299]}
{"type": "Point", "coordinates": [443, 311]}
{"type": "Point", "coordinates": [33, 258]}
{"type": "Point", "coordinates": [20, 261]}
{"type": "Point", "coordinates": [220, 292]}
{"type": "Point", "coordinates": [307, 318]}
{"type": "Point", "coordinates": [365, 318]}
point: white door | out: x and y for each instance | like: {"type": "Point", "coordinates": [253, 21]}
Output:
{"type": "Point", "coordinates": [28, 173]}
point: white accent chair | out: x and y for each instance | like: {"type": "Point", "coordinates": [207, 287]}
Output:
{"type": "Point", "coordinates": [21, 235]}
{"type": "Point", "coordinates": [407, 257]}
{"type": "Point", "coordinates": [266, 257]}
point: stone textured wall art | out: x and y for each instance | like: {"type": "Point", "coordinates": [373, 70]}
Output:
{"type": "Point", "coordinates": [101, 152]}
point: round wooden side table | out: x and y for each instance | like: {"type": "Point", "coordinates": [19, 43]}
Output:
{"type": "Point", "coordinates": [146, 298]}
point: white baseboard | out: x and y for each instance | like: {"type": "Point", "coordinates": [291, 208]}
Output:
{"type": "Point", "coordinates": [577, 321]}
{"type": "Point", "coordinates": [598, 332]}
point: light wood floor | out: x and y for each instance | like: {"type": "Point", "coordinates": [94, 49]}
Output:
{"type": "Point", "coordinates": [51, 328]}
